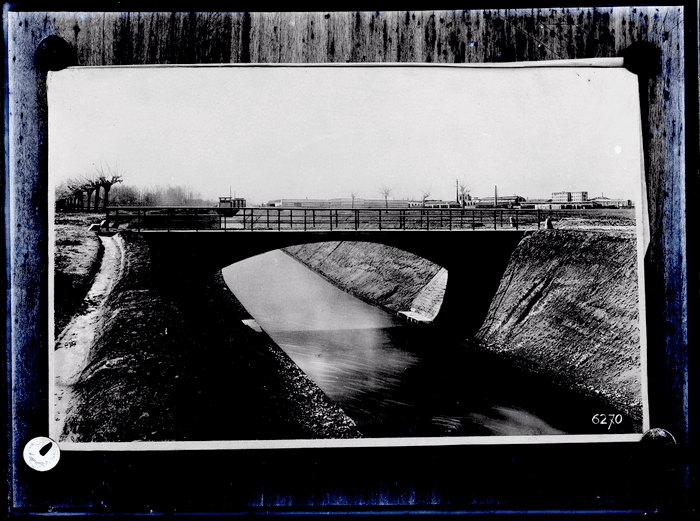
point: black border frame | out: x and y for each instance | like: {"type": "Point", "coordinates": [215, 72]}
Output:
{"type": "Point", "coordinates": [647, 477]}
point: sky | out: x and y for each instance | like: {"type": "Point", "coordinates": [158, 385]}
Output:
{"type": "Point", "coordinates": [324, 132]}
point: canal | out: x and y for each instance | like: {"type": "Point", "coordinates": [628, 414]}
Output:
{"type": "Point", "coordinates": [394, 379]}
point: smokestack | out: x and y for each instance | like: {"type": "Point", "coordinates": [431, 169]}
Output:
{"type": "Point", "coordinates": [495, 196]}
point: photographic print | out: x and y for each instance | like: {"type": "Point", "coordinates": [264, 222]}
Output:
{"type": "Point", "coordinates": [346, 255]}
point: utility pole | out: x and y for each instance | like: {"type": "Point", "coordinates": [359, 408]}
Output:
{"type": "Point", "coordinates": [457, 189]}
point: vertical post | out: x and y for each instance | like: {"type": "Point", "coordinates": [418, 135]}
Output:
{"type": "Point", "coordinates": [313, 218]}
{"type": "Point", "coordinates": [380, 219]}
{"type": "Point", "coordinates": [196, 220]}
{"type": "Point", "coordinates": [304, 219]}
{"type": "Point", "coordinates": [244, 218]}
{"type": "Point", "coordinates": [279, 219]}
{"type": "Point", "coordinates": [427, 219]}
{"type": "Point", "coordinates": [336, 218]}
{"type": "Point", "coordinates": [494, 220]}
{"type": "Point", "coordinates": [516, 219]}
{"type": "Point", "coordinates": [538, 218]}
{"type": "Point", "coordinates": [449, 218]}
{"type": "Point", "coordinates": [330, 219]}
{"type": "Point", "coordinates": [291, 219]}
{"type": "Point", "coordinates": [473, 217]}
{"type": "Point", "coordinates": [268, 218]}
{"type": "Point", "coordinates": [252, 220]}
{"type": "Point", "coordinates": [357, 219]}
{"type": "Point", "coordinates": [461, 218]}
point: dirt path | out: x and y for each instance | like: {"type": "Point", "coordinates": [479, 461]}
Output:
{"type": "Point", "coordinates": [74, 342]}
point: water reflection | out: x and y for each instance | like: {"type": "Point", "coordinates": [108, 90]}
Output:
{"type": "Point", "coordinates": [393, 379]}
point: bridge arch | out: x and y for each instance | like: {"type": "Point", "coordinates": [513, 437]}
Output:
{"type": "Point", "coordinates": [475, 261]}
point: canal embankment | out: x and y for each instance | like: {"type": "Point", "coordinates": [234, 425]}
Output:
{"type": "Point", "coordinates": [172, 360]}
{"type": "Point", "coordinates": [566, 309]}
{"type": "Point", "coordinates": [382, 275]}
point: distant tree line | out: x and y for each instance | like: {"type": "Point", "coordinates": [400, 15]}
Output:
{"type": "Point", "coordinates": [104, 187]}
{"type": "Point", "coordinates": [159, 195]}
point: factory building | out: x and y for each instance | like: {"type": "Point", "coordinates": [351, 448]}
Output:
{"type": "Point", "coordinates": [569, 197]}
{"type": "Point", "coordinates": [502, 201]}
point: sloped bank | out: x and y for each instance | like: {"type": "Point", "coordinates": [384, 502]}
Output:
{"type": "Point", "coordinates": [566, 307]}
{"type": "Point", "coordinates": [381, 275]}
{"type": "Point", "coordinates": [172, 361]}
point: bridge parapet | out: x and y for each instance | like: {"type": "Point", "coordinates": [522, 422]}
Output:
{"type": "Point", "coordinates": [323, 219]}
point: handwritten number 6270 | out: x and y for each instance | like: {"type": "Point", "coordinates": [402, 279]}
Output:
{"type": "Point", "coordinates": [607, 419]}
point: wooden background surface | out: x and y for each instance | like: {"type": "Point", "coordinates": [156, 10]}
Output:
{"type": "Point", "coordinates": [588, 477]}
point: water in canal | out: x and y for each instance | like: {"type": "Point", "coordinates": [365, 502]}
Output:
{"type": "Point", "coordinates": [392, 378]}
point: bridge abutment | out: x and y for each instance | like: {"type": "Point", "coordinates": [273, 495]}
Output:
{"type": "Point", "coordinates": [475, 260]}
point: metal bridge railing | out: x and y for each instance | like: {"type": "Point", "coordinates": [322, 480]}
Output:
{"type": "Point", "coordinates": [322, 219]}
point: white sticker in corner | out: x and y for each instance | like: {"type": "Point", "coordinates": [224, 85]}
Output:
{"type": "Point", "coordinates": [42, 453]}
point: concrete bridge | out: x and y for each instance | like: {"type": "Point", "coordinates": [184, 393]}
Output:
{"type": "Point", "coordinates": [475, 257]}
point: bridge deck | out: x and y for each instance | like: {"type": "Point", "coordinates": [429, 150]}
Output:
{"type": "Point", "coordinates": [275, 219]}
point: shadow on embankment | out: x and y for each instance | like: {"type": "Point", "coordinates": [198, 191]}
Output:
{"type": "Point", "coordinates": [562, 304]}
{"type": "Point", "coordinates": [173, 362]}
{"type": "Point", "coordinates": [567, 308]}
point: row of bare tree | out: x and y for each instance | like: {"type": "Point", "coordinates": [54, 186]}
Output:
{"type": "Point", "coordinates": [463, 191]}
{"type": "Point", "coordinates": [77, 192]}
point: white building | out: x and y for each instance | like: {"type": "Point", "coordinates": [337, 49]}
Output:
{"type": "Point", "coordinates": [561, 197]}
{"type": "Point", "coordinates": [569, 197]}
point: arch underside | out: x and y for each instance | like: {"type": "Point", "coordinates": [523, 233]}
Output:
{"type": "Point", "coordinates": [475, 261]}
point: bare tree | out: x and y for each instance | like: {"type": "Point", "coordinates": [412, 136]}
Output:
{"type": "Point", "coordinates": [90, 184]}
{"type": "Point", "coordinates": [464, 191]}
{"type": "Point", "coordinates": [386, 192]}
{"type": "Point", "coordinates": [425, 194]}
{"type": "Point", "coordinates": [64, 196]}
{"type": "Point", "coordinates": [76, 188]}
{"type": "Point", "coordinates": [107, 176]}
